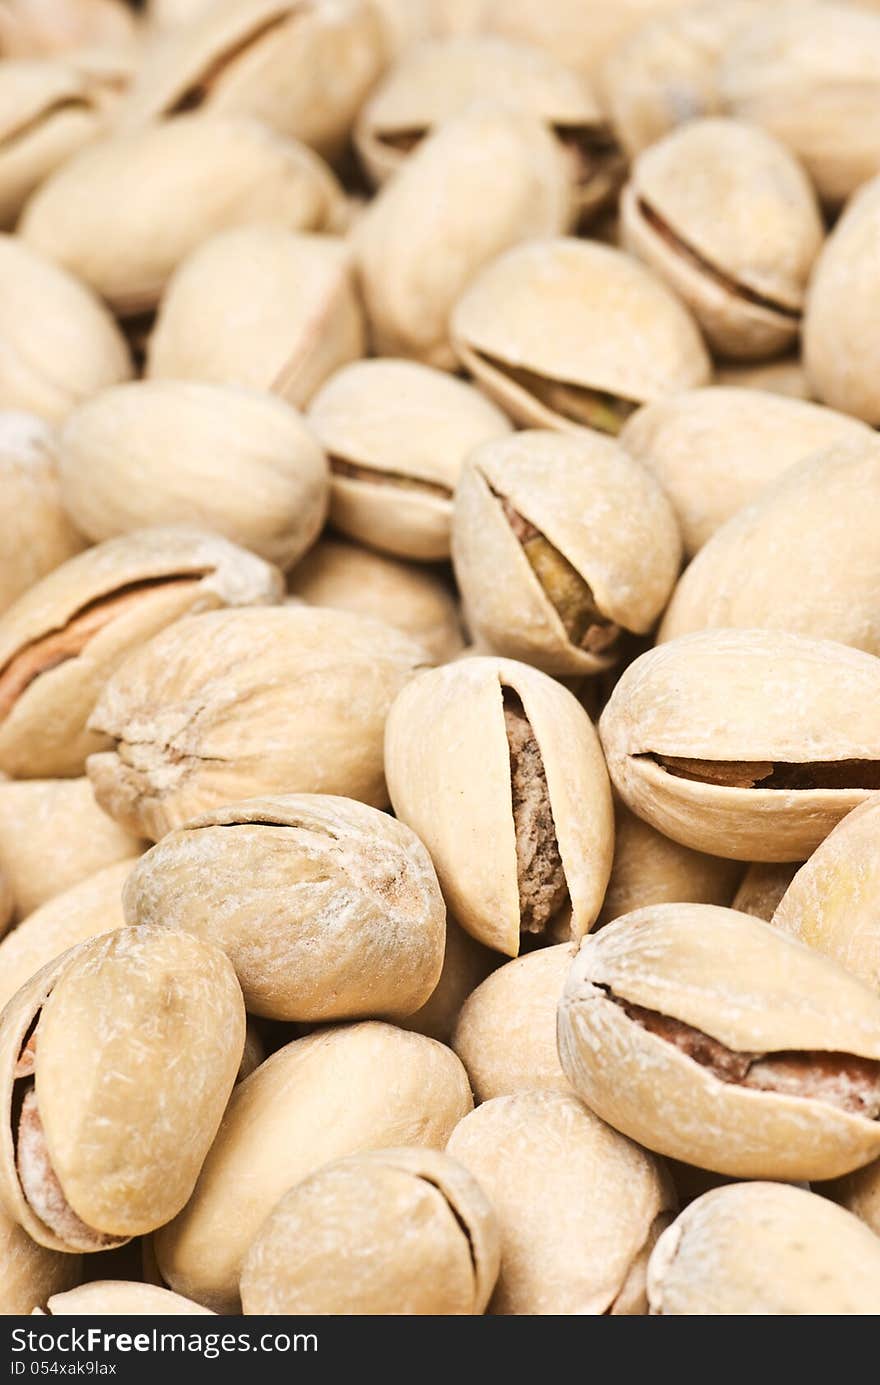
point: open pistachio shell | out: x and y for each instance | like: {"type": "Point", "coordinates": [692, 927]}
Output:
{"type": "Point", "coordinates": [110, 1298]}
{"type": "Point", "coordinates": [424, 1236]}
{"type": "Point", "coordinates": [30, 1273]}
{"type": "Point", "coordinates": [46, 115]}
{"type": "Point", "coordinates": [749, 744]}
{"type": "Point", "coordinates": [768, 1067]}
{"type": "Point", "coordinates": [38, 534]}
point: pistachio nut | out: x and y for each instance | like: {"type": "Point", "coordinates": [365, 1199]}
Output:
{"type": "Point", "coordinates": [560, 543]}
{"type": "Point", "coordinates": [762, 888]}
{"type": "Point", "coordinates": [506, 1031]}
{"type": "Point", "coordinates": [579, 1206]}
{"type": "Point", "coordinates": [859, 1193]}
{"type": "Point", "coordinates": [185, 436]}
{"type": "Point", "coordinates": [46, 115]}
{"type": "Point", "coordinates": [29, 1273]}
{"type": "Point", "coordinates": [785, 376]}
{"type": "Point", "coordinates": [58, 344]}
{"type": "Point", "coordinates": [38, 28]}
{"type": "Point", "coordinates": [61, 641]}
{"type": "Point", "coordinates": [726, 215]}
{"type": "Point", "coordinates": [37, 532]}
{"type": "Point", "coordinates": [465, 964]}
{"type": "Point", "coordinates": [52, 835]}
{"type": "Point", "coordinates": [309, 896]}
{"type": "Point", "coordinates": [166, 14]}
{"type": "Point", "coordinates": [263, 307]}
{"type": "Point", "coordinates": [254, 1052]}
{"type": "Point", "coordinates": [416, 600]}
{"type": "Point", "coordinates": [548, 331]}
{"type": "Point", "coordinates": [504, 179]}
{"type": "Point", "coordinates": [113, 214]}
{"type": "Point", "coordinates": [391, 1232]}
{"type": "Point", "coordinates": [768, 1067]}
{"type": "Point", "coordinates": [762, 1249]}
{"type": "Point", "coordinates": [748, 744]}
{"type": "Point", "coordinates": [338, 1091]}
{"type": "Point", "coordinates": [397, 434]}
{"type": "Point", "coordinates": [531, 837]}
{"type": "Point", "coordinates": [237, 704]}
{"type": "Point", "coordinates": [106, 1298]}
{"type": "Point", "coordinates": [715, 450]}
{"type": "Point", "coordinates": [116, 1062]}
{"type": "Point", "coordinates": [302, 66]}
{"type": "Point", "coordinates": [580, 32]}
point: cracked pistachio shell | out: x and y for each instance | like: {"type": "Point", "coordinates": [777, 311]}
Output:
{"type": "Point", "coordinates": [37, 532]}
{"type": "Point", "coordinates": [579, 1206]}
{"type": "Point", "coordinates": [66, 635]}
{"type": "Point", "coordinates": [304, 67]}
{"type": "Point", "coordinates": [579, 32]}
{"type": "Point", "coordinates": [715, 450]}
{"type": "Point", "coordinates": [764, 1249]}
{"type": "Point", "coordinates": [772, 998]}
{"type": "Point", "coordinates": [487, 179]}
{"type": "Point", "coordinates": [465, 964]}
{"type": "Point", "coordinates": [46, 115]}
{"type": "Point", "coordinates": [236, 704]}
{"type": "Point", "coordinates": [810, 75]}
{"type": "Point", "coordinates": [38, 28]}
{"type": "Point", "coordinates": [337, 1092]}
{"type": "Point", "coordinates": [452, 718]}
{"type": "Point", "coordinates": [59, 344]}
{"type": "Point", "coordinates": [859, 1193]}
{"type": "Point", "coordinates": [52, 835]}
{"type": "Point", "coordinates": [601, 511]}
{"type": "Point", "coordinates": [120, 1298]}
{"type": "Point", "coordinates": [263, 307]}
{"type": "Point", "coordinates": [506, 1032]}
{"type": "Point", "coordinates": [804, 556]}
{"type": "Point", "coordinates": [757, 698]}
{"type": "Point", "coordinates": [140, 1036]}
{"type": "Point", "coordinates": [785, 376]}
{"type": "Point", "coordinates": [88, 908]}
{"type": "Point", "coordinates": [411, 426]}
{"type": "Point", "coordinates": [841, 334]}
{"type": "Point", "coordinates": [114, 216]}
{"type": "Point", "coordinates": [416, 600]}
{"type": "Point", "coordinates": [762, 888]}
{"type": "Point", "coordinates": [186, 436]}
{"type": "Point", "coordinates": [30, 1273]}
{"type": "Point", "coordinates": [328, 909]}
{"type": "Point", "coordinates": [580, 315]}
{"type": "Point", "coordinates": [728, 218]}
{"type": "Point", "coordinates": [387, 1233]}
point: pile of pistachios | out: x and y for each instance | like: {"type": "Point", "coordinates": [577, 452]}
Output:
{"type": "Point", "coordinates": [440, 657]}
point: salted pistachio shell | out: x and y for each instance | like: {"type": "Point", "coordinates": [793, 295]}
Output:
{"type": "Point", "coordinates": [184, 434]}
{"type": "Point", "coordinates": [859, 1193]}
{"type": "Point", "coordinates": [134, 1039]}
{"type": "Point", "coordinates": [465, 964]}
{"type": "Point", "coordinates": [504, 180]}
{"type": "Point", "coordinates": [762, 888]}
{"type": "Point", "coordinates": [37, 28]}
{"type": "Point", "coordinates": [417, 600]}
{"type": "Point", "coordinates": [715, 450]}
{"type": "Point", "coordinates": [803, 556]}
{"type": "Point", "coordinates": [328, 909]}
{"type": "Point", "coordinates": [29, 1273]}
{"type": "Point", "coordinates": [260, 306]}
{"type": "Point", "coordinates": [52, 835]}
{"type": "Point", "coordinates": [579, 1206]}
{"type": "Point", "coordinates": [762, 1249]}
{"type": "Point", "coordinates": [397, 434]}
{"type": "Point", "coordinates": [749, 744]}
{"type": "Point", "coordinates": [727, 216]}
{"type": "Point", "coordinates": [339, 1091]}
{"type": "Point", "coordinates": [531, 837]}
{"type": "Point", "coordinates": [46, 115]}
{"type": "Point", "coordinates": [110, 1298]}
{"type": "Point", "coordinates": [235, 704]}
{"type": "Point", "coordinates": [785, 376]}
{"type": "Point", "coordinates": [766, 1068]}
{"type": "Point", "coordinates": [579, 32]}
{"type": "Point", "coordinates": [571, 334]}
{"type": "Point", "coordinates": [65, 636]}
{"type": "Point", "coordinates": [559, 543]}
{"type": "Point", "coordinates": [60, 345]}
{"type": "Point", "coordinates": [113, 215]}
{"type": "Point", "coordinates": [303, 67]}
{"type": "Point", "coordinates": [388, 1233]}
{"type": "Point", "coordinates": [37, 531]}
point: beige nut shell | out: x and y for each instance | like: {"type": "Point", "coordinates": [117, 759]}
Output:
{"type": "Point", "coordinates": [784, 376]}
{"type": "Point", "coordinates": [859, 1193]}
{"type": "Point", "coordinates": [337, 1092]}
{"type": "Point", "coordinates": [742, 695]}
{"type": "Point", "coordinates": [762, 888]}
{"type": "Point", "coordinates": [46, 115]}
{"type": "Point", "coordinates": [773, 995]}
{"type": "Point", "coordinates": [580, 32]}
{"type": "Point", "coordinates": [29, 1273]}
{"type": "Point", "coordinates": [579, 1206]}
{"type": "Point", "coordinates": [38, 28]}
{"type": "Point", "coordinates": [392, 1232]}
{"type": "Point", "coordinates": [465, 964]}
{"type": "Point", "coordinates": [450, 720]}
{"type": "Point", "coordinates": [38, 534]}
{"type": "Point", "coordinates": [110, 1298]}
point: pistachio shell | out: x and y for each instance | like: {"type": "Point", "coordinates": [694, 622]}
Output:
{"type": "Point", "coordinates": [165, 14]}
{"type": "Point", "coordinates": [859, 1193]}
{"type": "Point", "coordinates": [186, 436]}
{"type": "Point", "coordinates": [32, 28]}
{"type": "Point", "coordinates": [762, 1249]}
{"type": "Point", "coordinates": [424, 1237]}
{"type": "Point", "coordinates": [339, 1091]}
{"type": "Point", "coordinates": [579, 1206]}
{"type": "Point", "coordinates": [38, 534]}
{"type": "Point", "coordinates": [579, 32]}
{"type": "Point", "coordinates": [465, 964]}
{"type": "Point", "coordinates": [116, 1298]}
{"type": "Point", "coordinates": [46, 115]}
{"type": "Point", "coordinates": [662, 1043]}
{"type": "Point", "coordinates": [452, 718]}
{"type": "Point", "coordinates": [762, 887]}
{"type": "Point", "coordinates": [29, 1273]}
{"type": "Point", "coordinates": [785, 376]}
{"type": "Point", "coordinates": [741, 708]}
